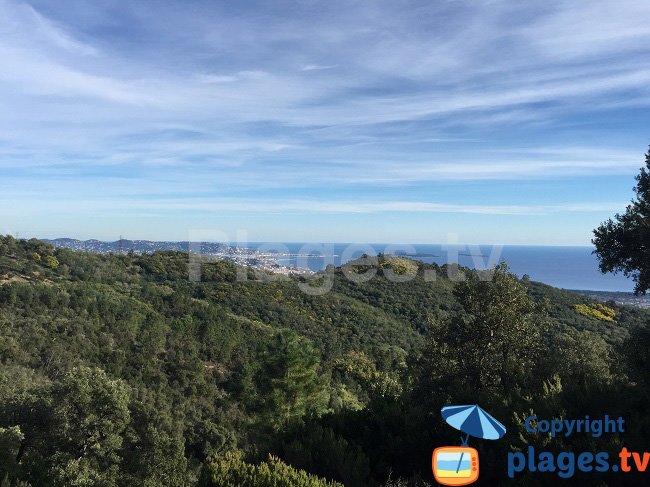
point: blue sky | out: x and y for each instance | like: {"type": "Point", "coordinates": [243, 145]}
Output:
{"type": "Point", "coordinates": [337, 121]}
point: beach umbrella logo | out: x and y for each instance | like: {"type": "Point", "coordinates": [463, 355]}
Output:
{"type": "Point", "coordinates": [459, 465]}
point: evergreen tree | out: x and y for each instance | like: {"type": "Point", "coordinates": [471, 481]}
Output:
{"type": "Point", "coordinates": [290, 381]}
{"type": "Point", "coordinates": [623, 244]}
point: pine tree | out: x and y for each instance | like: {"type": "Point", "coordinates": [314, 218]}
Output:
{"type": "Point", "coordinates": [290, 379]}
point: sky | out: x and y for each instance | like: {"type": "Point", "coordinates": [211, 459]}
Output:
{"type": "Point", "coordinates": [323, 121]}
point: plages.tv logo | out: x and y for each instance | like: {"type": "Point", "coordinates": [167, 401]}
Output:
{"type": "Point", "coordinates": [459, 465]}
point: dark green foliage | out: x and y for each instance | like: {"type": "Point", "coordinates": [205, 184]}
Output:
{"type": "Point", "coordinates": [623, 244]}
{"type": "Point", "coordinates": [637, 351]}
{"type": "Point", "coordinates": [90, 415]}
{"type": "Point", "coordinates": [496, 341]}
{"type": "Point", "coordinates": [318, 449]}
{"type": "Point", "coordinates": [10, 441]}
{"type": "Point", "coordinates": [289, 385]}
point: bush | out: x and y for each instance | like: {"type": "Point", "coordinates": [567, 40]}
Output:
{"type": "Point", "coordinates": [52, 262]}
{"type": "Point", "coordinates": [230, 470]}
{"type": "Point", "coordinates": [596, 311]}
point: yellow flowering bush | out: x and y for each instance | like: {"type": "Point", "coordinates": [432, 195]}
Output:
{"type": "Point", "coordinates": [596, 311]}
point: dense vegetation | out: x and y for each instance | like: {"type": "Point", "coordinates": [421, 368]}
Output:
{"type": "Point", "coordinates": [117, 370]}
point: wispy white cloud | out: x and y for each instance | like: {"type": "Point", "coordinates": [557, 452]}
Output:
{"type": "Point", "coordinates": [24, 25]}
{"type": "Point", "coordinates": [216, 78]}
{"type": "Point", "coordinates": [317, 67]}
{"type": "Point", "coordinates": [307, 206]}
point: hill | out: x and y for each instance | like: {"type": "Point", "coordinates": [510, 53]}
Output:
{"type": "Point", "coordinates": [117, 370]}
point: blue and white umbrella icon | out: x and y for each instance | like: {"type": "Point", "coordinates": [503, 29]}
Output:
{"type": "Point", "coordinates": [473, 421]}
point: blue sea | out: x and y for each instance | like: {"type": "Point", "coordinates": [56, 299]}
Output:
{"type": "Point", "coordinates": [564, 267]}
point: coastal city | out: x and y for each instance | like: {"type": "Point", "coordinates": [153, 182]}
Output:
{"type": "Point", "coordinates": [263, 261]}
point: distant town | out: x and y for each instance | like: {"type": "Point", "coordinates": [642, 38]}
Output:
{"type": "Point", "coordinates": [265, 261]}
{"type": "Point", "coordinates": [238, 255]}
{"type": "Point", "coordinates": [629, 299]}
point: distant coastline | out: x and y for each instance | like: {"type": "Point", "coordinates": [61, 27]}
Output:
{"type": "Point", "coordinates": [567, 267]}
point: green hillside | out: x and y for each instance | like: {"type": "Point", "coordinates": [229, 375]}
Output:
{"type": "Point", "coordinates": [117, 370]}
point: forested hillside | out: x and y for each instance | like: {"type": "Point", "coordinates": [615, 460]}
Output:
{"type": "Point", "coordinates": [117, 370]}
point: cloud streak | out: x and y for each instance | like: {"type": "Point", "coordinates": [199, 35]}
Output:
{"type": "Point", "coordinates": [310, 207]}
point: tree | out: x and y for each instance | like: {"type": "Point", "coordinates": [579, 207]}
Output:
{"type": "Point", "coordinates": [361, 367]}
{"type": "Point", "coordinates": [91, 416]}
{"type": "Point", "coordinates": [10, 442]}
{"type": "Point", "coordinates": [623, 244]}
{"type": "Point", "coordinates": [290, 381]}
{"type": "Point", "coordinates": [493, 343]}
{"type": "Point", "coordinates": [154, 447]}
{"type": "Point", "coordinates": [637, 353]}
{"type": "Point", "coordinates": [579, 358]}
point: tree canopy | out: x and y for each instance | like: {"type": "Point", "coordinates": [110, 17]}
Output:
{"type": "Point", "coordinates": [623, 243]}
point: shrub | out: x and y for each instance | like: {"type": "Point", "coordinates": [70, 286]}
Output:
{"type": "Point", "coordinates": [230, 470]}
{"type": "Point", "coordinates": [596, 311]}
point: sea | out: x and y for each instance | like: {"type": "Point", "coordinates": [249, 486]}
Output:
{"type": "Point", "coordinates": [574, 268]}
